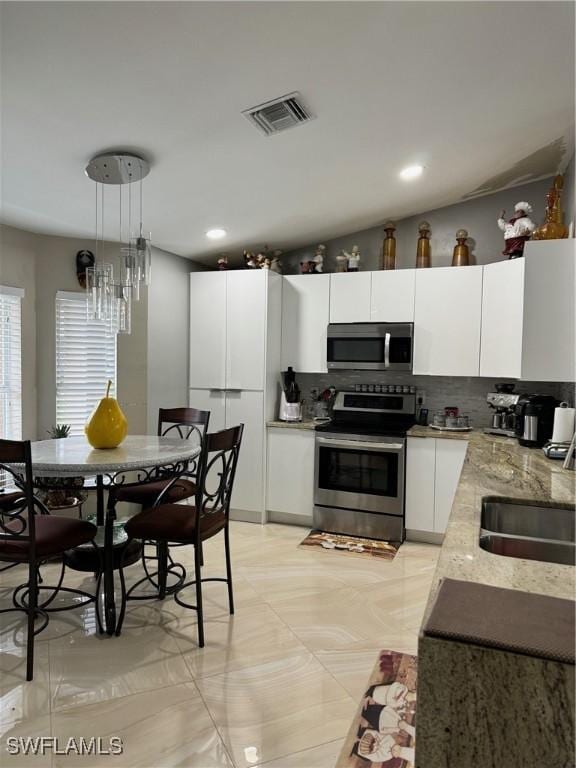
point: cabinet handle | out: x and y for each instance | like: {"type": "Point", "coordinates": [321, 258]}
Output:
{"type": "Point", "coordinates": [387, 350]}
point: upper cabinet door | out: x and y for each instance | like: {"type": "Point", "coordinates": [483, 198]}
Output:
{"type": "Point", "coordinates": [350, 297]}
{"type": "Point", "coordinates": [447, 318]}
{"type": "Point", "coordinates": [246, 328]}
{"type": "Point", "coordinates": [549, 348]}
{"type": "Point", "coordinates": [207, 330]}
{"type": "Point", "coordinates": [305, 317]}
{"type": "Point", "coordinates": [392, 296]}
{"type": "Point", "coordinates": [502, 319]}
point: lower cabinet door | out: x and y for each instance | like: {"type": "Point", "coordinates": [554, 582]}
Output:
{"type": "Point", "coordinates": [420, 481]}
{"type": "Point", "coordinates": [290, 482]}
{"type": "Point", "coordinates": [450, 456]}
{"type": "Point", "coordinates": [246, 407]}
{"type": "Point", "coordinates": [213, 400]}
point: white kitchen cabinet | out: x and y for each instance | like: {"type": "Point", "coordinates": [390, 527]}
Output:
{"type": "Point", "coordinates": [420, 478]}
{"type": "Point", "coordinates": [246, 292]}
{"type": "Point", "coordinates": [392, 296]}
{"type": "Point", "coordinates": [230, 321]}
{"type": "Point", "coordinates": [248, 408]}
{"type": "Point", "coordinates": [450, 456]}
{"type": "Point", "coordinates": [502, 319]}
{"type": "Point", "coordinates": [350, 297]}
{"type": "Point", "coordinates": [290, 482]}
{"type": "Point", "coordinates": [549, 338]}
{"type": "Point", "coordinates": [433, 469]}
{"type": "Point", "coordinates": [228, 409]}
{"type": "Point", "coordinates": [528, 307]}
{"type": "Point", "coordinates": [213, 400]}
{"type": "Point", "coordinates": [207, 329]}
{"type": "Point", "coordinates": [305, 317]}
{"type": "Point", "coordinates": [447, 318]}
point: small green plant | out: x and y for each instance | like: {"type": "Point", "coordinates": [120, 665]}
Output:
{"type": "Point", "coordinates": [60, 430]}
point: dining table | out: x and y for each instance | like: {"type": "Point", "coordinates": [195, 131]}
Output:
{"type": "Point", "coordinates": [72, 461]}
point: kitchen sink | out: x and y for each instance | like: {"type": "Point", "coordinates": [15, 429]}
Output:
{"type": "Point", "coordinates": [529, 530]}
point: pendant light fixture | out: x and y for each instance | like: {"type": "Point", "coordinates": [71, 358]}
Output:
{"type": "Point", "coordinates": [111, 287]}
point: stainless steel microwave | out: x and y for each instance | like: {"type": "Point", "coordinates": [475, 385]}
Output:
{"type": "Point", "coordinates": [370, 346]}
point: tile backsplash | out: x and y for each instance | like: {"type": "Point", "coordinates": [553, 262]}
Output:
{"type": "Point", "coordinates": [468, 394]}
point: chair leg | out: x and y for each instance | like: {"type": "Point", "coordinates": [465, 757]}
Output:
{"type": "Point", "coordinates": [162, 549]}
{"type": "Point", "coordinates": [228, 570]}
{"type": "Point", "coordinates": [201, 554]}
{"type": "Point", "coordinates": [32, 601]}
{"type": "Point", "coordinates": [199, 608]}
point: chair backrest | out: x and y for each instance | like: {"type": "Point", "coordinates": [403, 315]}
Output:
{"type": "Point", "coordinates": [218, 470]}
{"type": "Point", "coordinates": [183, 422]}
{"type": "Point", "coordinates": [17, 519]}
{"type": "Point", "coordinates": [187, 424]}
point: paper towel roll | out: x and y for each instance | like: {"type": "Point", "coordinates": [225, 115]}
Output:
{"type": "Point", "coordinates": [564, 423]}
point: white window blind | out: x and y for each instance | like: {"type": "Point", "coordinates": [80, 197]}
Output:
{"type": "Point", "coordinates": [85, 360]}
{"type": "Point", "coordinates": [11, 363]}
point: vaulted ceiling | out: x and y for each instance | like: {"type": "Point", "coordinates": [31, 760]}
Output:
{"type": "Point", "coordinates": [481, 94]}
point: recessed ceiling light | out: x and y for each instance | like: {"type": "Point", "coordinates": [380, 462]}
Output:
{"type": "Point", "coordinates": [216, 234]}
{"type": "Point", "coordinates": [411, 172]}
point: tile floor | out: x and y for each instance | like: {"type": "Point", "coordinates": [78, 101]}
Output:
{"type": "Point", "coordinates": [277, 684]}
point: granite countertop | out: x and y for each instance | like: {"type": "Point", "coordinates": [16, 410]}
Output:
{"type": "Point", "coordinates": [306, 424]}
{"type": "Point", "coordinates": [420, 431]}
{"type": "Point", "coordinates": [500, 466]}
{"type": "Point", "coordinates": [75, 456]}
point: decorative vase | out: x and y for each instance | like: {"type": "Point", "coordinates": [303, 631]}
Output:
{"type": "Point", "coordinates": [553, 227]}
{"type": "Point", "coordinates": [461, 254]}
{"type": "Point", "coordinates": [423, 253]}
{"type": "Point", "coordinates": [107, 426]}
{"type": "Point", "coordinates": [389, 246]}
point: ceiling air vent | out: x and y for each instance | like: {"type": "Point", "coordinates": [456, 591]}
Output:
{"type": "Point", "coordinates": [277, 115]}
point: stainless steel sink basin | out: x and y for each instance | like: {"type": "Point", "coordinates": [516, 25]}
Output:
{"type": "Point", "coordinates": [529, 530]}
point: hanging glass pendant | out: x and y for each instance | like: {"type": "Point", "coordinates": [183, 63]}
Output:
{"type": "Point", "coordinates": [109, 292]}
{"type": "Point", "coordinates": [143, 248]}
{"type": "Point", "coordinates": [121, 308]}
{"type": "Point", "coordinates": [99, 281]}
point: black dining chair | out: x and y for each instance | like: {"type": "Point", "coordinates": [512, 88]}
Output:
{"type": "Point", "coordinates": [194, 524]}
{"type": "Point", "coordinates": [186, 424]}
{"type": "Point", "coordinates": [31, 536]}
{"type": "Point", "coordinates": [183, 423]}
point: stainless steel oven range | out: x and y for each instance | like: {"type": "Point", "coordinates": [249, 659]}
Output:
{"type": "Point", "coordinates": [360, 465]}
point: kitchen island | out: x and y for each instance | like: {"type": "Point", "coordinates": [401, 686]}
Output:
{"type": "Point", "coordinates": [482, 706]}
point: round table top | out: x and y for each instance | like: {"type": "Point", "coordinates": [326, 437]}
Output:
{"type": "Point", "coordinates": [75, 456]}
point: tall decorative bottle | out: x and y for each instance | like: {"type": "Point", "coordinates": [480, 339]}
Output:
{"type": "Point", "coordinates": [423, 254]}
{"type": "Point", "coordinates": [553, 227]}
{"type": "Point", "coordinates": [389, 246]}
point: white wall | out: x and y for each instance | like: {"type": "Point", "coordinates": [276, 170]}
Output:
{"type": "Point", "coordinates": [152, 360]}
{"type": "Point", "coordinates": [17, 269]}
{"type": "Point", "coordinates": [168, 329]}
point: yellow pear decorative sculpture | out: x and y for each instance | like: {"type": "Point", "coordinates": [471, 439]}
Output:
{"type": "Point", "coordinates": [107, 426]}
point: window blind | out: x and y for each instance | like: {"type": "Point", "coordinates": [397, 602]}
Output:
{"type": "Point", "coordinates": [11, 363]}
{"type": "Point", "coordinates": [85, 360]}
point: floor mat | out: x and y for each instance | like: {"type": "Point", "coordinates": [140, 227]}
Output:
{"type": "Point", "coordinates": [350, 545]}
{"type": "Point", "coordinates": [382, 734]}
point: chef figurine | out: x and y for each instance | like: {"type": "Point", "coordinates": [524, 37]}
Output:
{"type": "Point", "coordinates": [223, 262]}
{"type": "Point", "coordinates": [319, 258]}
{"type": "Point", "coordinates": [353, 258]}
{"type": "Point", "coordinates": [516, 230]}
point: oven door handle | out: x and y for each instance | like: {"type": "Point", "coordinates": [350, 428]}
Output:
{"type": "Point", "coordinates": [387, 350]}
{"type": "Point", "coordinates": [365, 446]}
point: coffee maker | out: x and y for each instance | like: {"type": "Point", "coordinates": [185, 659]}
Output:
{"type": "Point", "coordinates": [535, 419]}
{"type": "Point", "coordinates": [504, 417]}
